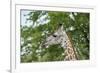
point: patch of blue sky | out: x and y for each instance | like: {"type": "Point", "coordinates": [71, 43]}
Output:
{"type": "Point", "coordinates": [24, 17]}
{"type": "Point", "coordinates": [25, 22]}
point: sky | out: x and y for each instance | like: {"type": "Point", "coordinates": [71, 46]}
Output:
{"type": "Point", "coordinates": [23, 18]}
{"type": "Point", "coordinates": [41, 21]}
{"type": "Point", "coordinates": [24, 21]}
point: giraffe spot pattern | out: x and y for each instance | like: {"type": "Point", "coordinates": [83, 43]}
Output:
{"type": "Point", "coordinates": [63, 39]}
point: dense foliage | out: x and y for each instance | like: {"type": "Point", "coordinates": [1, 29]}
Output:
{"type": "Point", "coordinates": [45, 23]}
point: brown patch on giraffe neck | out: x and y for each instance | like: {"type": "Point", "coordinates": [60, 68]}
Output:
{"type": "Point", "coordinates": [70, 54]}
{"type": "Point", "coordinates": [70, 51]}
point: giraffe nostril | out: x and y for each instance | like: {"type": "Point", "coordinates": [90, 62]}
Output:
{"type": "Point", "coordinates": [43, 45]}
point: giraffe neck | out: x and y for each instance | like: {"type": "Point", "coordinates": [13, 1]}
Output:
{"type": "Point", "coordinates": [70, 53]}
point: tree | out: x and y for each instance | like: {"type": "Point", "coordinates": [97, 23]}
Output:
{"type": "Point", "coordinates": [45, 23]}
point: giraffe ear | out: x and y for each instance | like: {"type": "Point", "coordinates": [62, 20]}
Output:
{"type": "Point", "coordinates": [61, 27]}
{"type": "Point", "coordinates": [60, 24]}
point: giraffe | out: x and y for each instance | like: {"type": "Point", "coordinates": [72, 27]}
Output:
{"type": "Point", "coordinates": [61, 37]}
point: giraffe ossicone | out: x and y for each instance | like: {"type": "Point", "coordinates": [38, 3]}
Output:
{"type": "Point", "coordinates": [61, 37]}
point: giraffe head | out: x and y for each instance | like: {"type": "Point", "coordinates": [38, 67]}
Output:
{"type": "Point", "coordinates": [58, 37]}
{"type": "Point", "coordinates": [61, 37]}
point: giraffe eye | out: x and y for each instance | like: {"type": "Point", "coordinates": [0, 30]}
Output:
{"type": "Point", "coordinates": [54, 35]}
